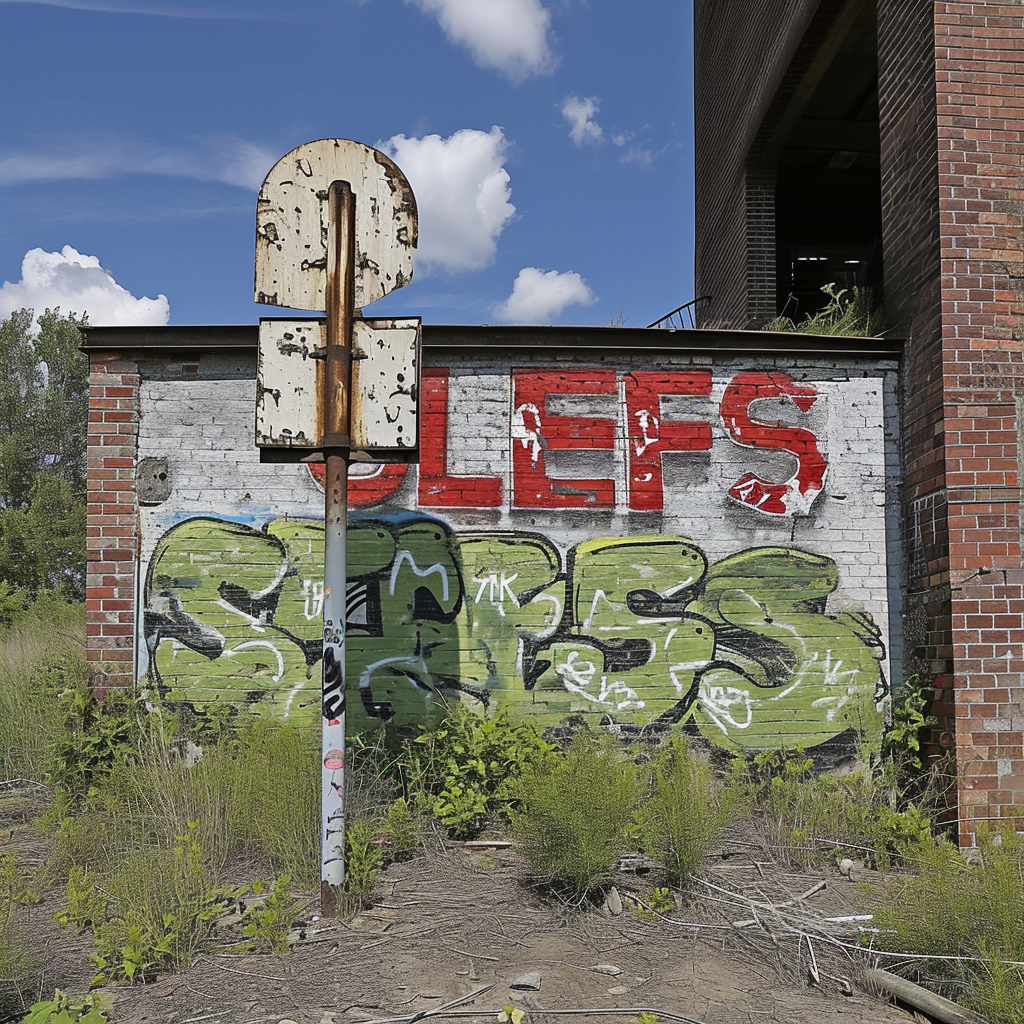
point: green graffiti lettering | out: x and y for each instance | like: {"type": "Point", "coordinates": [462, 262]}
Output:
{"type": "Point", "coordinates": [637, 630]}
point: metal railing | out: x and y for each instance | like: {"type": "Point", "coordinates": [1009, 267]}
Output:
{"type": "Point", "coordinates": [674, 321]}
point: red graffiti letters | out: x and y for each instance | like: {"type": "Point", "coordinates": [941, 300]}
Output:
{"type": "Point", "coordinates": [437, 488]}
{"type": "Point", "coordinates": [792, 496]}
{"type": "Point", "coordinates": [542, 421]}
{"type": "Point", "coordinates": [535, 432]}
{"type": "Point", "coordinates": [650, 434]}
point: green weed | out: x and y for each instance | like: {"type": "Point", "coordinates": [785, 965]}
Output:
{"type": "Point", "coordinates": [151, 913]}
{"type": "Point", "coordinates": [461, 772]}
{"type": "Point", "coordinates": [364, 861]}
{"type": "Point", "coordinates": [853, 314]}
{"type": "Point", "coordinates": [975, 911]}
{"type": "Point", "coordinates": [91, 1009]}
{"type": "Point", "coordinates": [574, 813]}
{"type": "Point", "coordinates": [683, 812]}
{"type": "Point", "coordinates": [266, 923]}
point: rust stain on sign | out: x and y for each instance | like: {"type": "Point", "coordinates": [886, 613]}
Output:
{"type": "Point", "coordinates": [292, 221]}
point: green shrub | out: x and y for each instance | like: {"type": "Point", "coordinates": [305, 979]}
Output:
{"type": "Point", "coordinates": [461, 771]}
{"type": "Point", "coordinates": [683, 813]}
{"type": "Point", "coordinates": [97, 737]}
{"type": "Point", "coordinates": [574, 813]}
{"type": "Point", "coordinates": [976, 911]}
{"type": "Point", "coordinates": [807, 812]}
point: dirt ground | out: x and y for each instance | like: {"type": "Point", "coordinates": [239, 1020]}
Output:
{"type": "Point", "coordinates": [458, 926]}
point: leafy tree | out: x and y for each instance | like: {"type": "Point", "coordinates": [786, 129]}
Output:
{"type": "Point", "coordinates": [44, 399]}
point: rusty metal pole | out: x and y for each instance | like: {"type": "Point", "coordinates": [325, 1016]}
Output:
{"type": "Point", "coordinates": [337, 384]}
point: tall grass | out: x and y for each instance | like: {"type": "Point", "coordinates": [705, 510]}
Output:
{"type": "Point", "coordinates": [41, 654]}
{"type": "Point", "coordinates": [253, 797]}
{"type": "Point", "coordinates": [684, 810]}
{"type": "Point", "coordinates": [575, 812]}
{"type": "Point", "coordinates": [953, 908]}
{"type": "Point", "coordinates": [811, 815]}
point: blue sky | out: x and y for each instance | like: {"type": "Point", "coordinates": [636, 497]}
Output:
{"type": "Point", "coordinates": [549, 143]}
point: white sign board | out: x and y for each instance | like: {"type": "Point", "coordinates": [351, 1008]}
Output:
{"type": "Point", "coordinates": [385, 384]}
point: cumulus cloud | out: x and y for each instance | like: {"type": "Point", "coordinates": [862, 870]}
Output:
{"type": "Point", "coordinates": [226, 159]}
{"type": "Point", "coordinates": [510, 36]}
{"type": "Point", "coordinates": [77, 283]}
{"type": "Point", "coordinates": [579, 112]}
{"type": "Point", "coordinates": [462, 190]}
{"type": "Point", "coordinates": [538, 296]}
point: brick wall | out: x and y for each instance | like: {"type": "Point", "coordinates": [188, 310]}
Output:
{"type": "Point", "coordinates": [112, 529]}
{"type": "Point", "coordinates": [744, 49]}
{"type": "Point", "coordinates": [980, 110]}
{"type": "Point", "coordinates": [672, 539]}
{"type": "Point", "coordinates": [910, 226]}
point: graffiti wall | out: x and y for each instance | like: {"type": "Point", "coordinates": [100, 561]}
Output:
{"type": "Point", "coordinates": [702, 548]}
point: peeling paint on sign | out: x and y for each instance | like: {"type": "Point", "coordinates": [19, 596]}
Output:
{"type": "Point", "coordinates": [289, 410]}
{"type": "Point", "coordinates": [385, 384]}
{"type": "Point", "coordinates": [292, 220]}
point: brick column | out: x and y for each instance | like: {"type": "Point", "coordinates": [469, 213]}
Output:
{"type": "Point", "coordinates": [112, 527]}
{"type": "Point", "coordinates": [980, 110]}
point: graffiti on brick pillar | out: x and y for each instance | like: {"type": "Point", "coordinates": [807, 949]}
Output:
{"type": "Point", "coordinates": [642, 631]}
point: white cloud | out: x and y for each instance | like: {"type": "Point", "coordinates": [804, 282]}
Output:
{"type": "Point", "coordinates": [77, 283]}
{"type": "Point", "coordinates": [538, 297]}
{"type": "Point", "coordinates": [462, 190]}
{"type": "Point", "coordinates": [580, 112]}
{"type": "Point", "coordinates": [510, 36]}
{"type": "Point", "coordinates": [225, 159]}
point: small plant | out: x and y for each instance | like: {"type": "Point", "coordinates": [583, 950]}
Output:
{"type": "Point", "coordinates": [643, 1017]}
{"type": "Point", "coordinates": [844, 314]}
{"type": "Point", "coordinates": [574, 814]}
{"type": "Point", "coordinates": [91, 1009]}
{"type": "Point", "coordinates": [510, 1014]}
{"type": "Point", "coordinates": [461, 771]}
{"type": "Point", "coordinates": [658, 901]}
{"type": "Point", "coordinates": [684, 811]}
{"type": "Point", "coordinates": [266, 923]}
{"type": "Point", "coordinates": [364, 861]}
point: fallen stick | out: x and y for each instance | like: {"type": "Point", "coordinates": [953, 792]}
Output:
{"type": "Point", "coordinates": [939, 1008]}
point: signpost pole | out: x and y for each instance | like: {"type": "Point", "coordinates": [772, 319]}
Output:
{"type": "Point", "coordinates": [336, 441]}
{"type": "Point", "coordinates": [301, 265]}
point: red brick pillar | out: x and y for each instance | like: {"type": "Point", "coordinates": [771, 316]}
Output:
{"type": "Point", "coordinates": [980, 109]}
{"type": "Point", "coordinates": [112, 527]}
